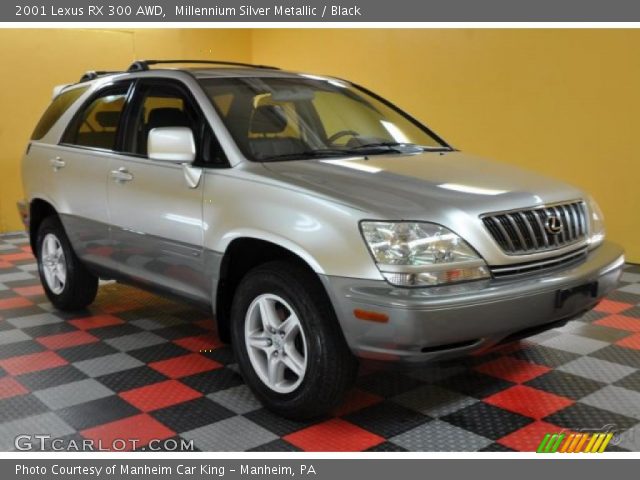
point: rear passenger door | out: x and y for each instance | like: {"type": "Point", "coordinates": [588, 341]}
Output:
{"type": "Point", "coordinates": [80, 169]}
{"type": "Point", "coordinates": [156, 215]}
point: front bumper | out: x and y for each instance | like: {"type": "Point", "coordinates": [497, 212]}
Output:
{"type": "Point", "coordinates": [425, 324]}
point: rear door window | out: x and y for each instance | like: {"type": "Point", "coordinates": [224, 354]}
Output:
{"type": "Point", "coordinates": [55, 110]}
{"type": "Point", "coordinates": [97, 124]}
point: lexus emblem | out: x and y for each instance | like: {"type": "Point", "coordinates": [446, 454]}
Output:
{"type": "Point", "coordinates": [553, 225]}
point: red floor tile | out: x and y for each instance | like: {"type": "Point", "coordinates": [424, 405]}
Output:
{"type": "Point", "coordinates": [334, 435]}
{"type": "Point", "coordinates": [141, 428]}
{"type": "Point", "coordinates": [528, 401]}
{"type": "Point", "coordinates": [97, 321]}
{"type": "Point", "coordinates": [32, 363]}
{"type": "Point", "coordinates": [528, 438]}
{"type": "Point", "coordinates": [120, 306]}
{"type": "Point", "coordinates": [185, 365]}
{"type": "Point", "coordinates": [632, 341]}
{"type": "Point", "coordinates": [10, 387]}
{"type": "Point", "coordinates": [16, 257]}
{"type": "Point", "coordinates": [356, 400]}
{"type": "Point", "coordinates": [512, 369]}
{"type": "Point", "coordinates": [620, 322]}
{"type": "Point", "coordinates": [159, 395]}
{"type": "Point", "coordinates": [609, 306]}
{"type": "Point", "coordinates": [31, 291]}
{"type": "Point", "coordinates": [14, 302]}
{"type": "Point", "coordinates": [207, 324]}
{"type": "Point", "coordinates": [65, 340]}
{"type": "Point", "coordinates": [508, 348]}
{"type": "Point", "coordinates": [199, 343]}
{"type": "Point", "coordinates": [129, 299]}
{"type": "Point", "coordinates": [5, 265]}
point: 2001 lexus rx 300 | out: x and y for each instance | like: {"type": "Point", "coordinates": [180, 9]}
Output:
{"type": "Point", "coordinates": [319, 222]}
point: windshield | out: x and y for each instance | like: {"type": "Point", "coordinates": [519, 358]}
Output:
{"type": "Point", "coordinates": [274, 119]}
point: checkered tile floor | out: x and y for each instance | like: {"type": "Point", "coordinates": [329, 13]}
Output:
{"type": "Point", "coordinates": [132, 366]}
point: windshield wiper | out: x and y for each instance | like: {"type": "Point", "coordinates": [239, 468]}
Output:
{"type": "Point", "coordinates": [395, 147]}
{"type": "Point", "coordinates": [366, 149]}
{"type": "Point", "coordinates": [326, 152]}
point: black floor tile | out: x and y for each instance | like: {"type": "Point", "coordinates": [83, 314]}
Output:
{"type": "Point", "coordinates": [387, 419]}
{"type": "Point", "coordinates": [565, 384]}
{"type": "Point", "coordinates": [97, 412]}
{"type": "Point", "coordinates": [580, 416]}
{"type": "Point", "coordinates": [131, 378]}
{"type": "Point", "coordinates": [192, 414]}
{"type": "Point", "coordinates": [52, 377]}
{"type": "Point", "coordinates": [487, 420]}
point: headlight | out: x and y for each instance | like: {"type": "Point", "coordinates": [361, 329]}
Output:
{"type": "Point", "coordinates": [412, 254]}
{"type": "Point", "coordinates": [596, 224]}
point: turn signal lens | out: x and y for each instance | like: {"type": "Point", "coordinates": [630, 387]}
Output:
{"type": "Point", "coordinates": [371, 316]}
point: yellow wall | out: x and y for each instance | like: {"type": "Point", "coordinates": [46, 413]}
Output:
{"type": "Point", "coordinates": [561, 102]}
{"type": "Point", "coordinates": [33, 61]}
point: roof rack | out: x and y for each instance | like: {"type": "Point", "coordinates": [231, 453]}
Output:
{"type": "Point", "coordinates": [143, 65]}
{"type": "Point", "coordinates": [93, 74]}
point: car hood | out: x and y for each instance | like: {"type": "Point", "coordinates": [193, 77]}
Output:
{"type": "Point", "coordinates": [424, 186]}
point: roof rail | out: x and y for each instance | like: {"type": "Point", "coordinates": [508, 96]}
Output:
{"type": "Point", "coordinates": [93, 74]}
{"type": "Point", "coordinates": [143, 65]}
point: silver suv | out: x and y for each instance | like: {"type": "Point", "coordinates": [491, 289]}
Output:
{"type": "Point", "coordinates": [319, 222]}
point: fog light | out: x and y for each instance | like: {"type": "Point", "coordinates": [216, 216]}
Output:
{"type": "Point", "coordinates": [452, 275]}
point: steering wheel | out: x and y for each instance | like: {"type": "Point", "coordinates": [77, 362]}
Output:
{"type": "Point", "coordinates": [342, 133]}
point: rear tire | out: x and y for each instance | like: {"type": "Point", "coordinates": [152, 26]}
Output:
{"type": "Point", "coordinates": [297, 361]}
{"type": "Point", "coordinates": [66, 281]}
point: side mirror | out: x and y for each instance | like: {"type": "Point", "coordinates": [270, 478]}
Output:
{"type": "Point", "coordinates": [171, 144]}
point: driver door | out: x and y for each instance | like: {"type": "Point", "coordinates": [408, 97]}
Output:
{"type": "Point", "coordinates": [156, 216]}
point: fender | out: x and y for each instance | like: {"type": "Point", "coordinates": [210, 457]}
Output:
{"type": "Point", "coordinates": [279, 240]}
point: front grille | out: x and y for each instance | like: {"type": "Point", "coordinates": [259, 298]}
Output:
{"type": "Point", "coordinates": [539, 266]}
{"type": "Point", "coordinates": [530, 230]}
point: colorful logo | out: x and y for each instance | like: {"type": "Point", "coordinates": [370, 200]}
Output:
{"type": "Point", "coordinates": [574, 442]}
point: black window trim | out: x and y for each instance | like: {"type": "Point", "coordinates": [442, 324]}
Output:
{"type": "Point", "coordinates": [404, 114]}
{"type": "Point", "coordinates": [97, 94]}
{"type": "Point", "coordinates": [132, 107]}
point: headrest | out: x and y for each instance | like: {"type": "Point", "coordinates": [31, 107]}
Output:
{"type": "Point", "coordinates": [268, 119]}
{"type": "Point", "coordinates": [108, 119]}
{"type": "Point", "coordinates": [167, 117]}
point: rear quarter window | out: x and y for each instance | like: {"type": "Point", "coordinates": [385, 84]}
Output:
{"type": "Point", "coordinates": [55, 110]}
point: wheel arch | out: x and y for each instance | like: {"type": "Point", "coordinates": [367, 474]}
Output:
{"type": "Point", "coordinates": [39, 209]}
{"type": "Point", "coordinates": [242, 254]}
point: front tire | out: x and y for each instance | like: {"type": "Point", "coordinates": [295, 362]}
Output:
{"type": "Point", "coordinates": [66, 281]}
{"type": "Point", "coordinates": [288, 343]}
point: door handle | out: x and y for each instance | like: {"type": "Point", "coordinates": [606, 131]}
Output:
{"type": "Point", "coordinates": [57, 163]}
{"type": "Point", "coordinates": [121, 175]}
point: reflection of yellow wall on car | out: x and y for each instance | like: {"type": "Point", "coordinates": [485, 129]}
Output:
{"type": "Point", "coordinates": [34, 61]}
{"type": "Point", "coordinates": [565, 103]}
{"type": "Point", "coordinates": [561, 102]}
